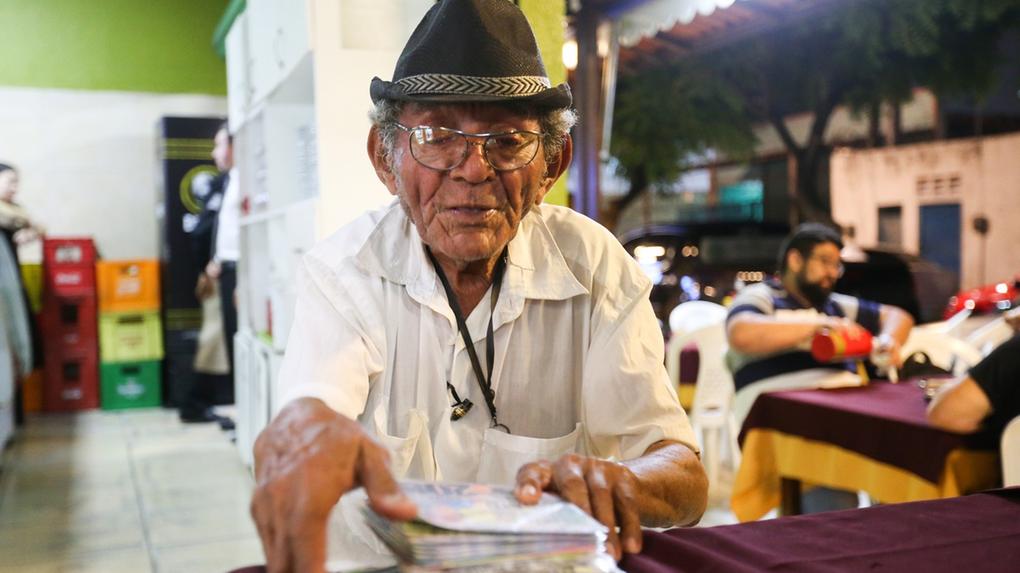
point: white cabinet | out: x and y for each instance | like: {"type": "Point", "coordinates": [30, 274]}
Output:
{"type": "Point", "coordinates": [298, 77]}
{"type": "Point", "coordinates": [243, 365]}
{"type": "Point", "coordinates": [255, 374]}
{"type": "Point", "coordinates": [277, 41]}
{"type": "Point", "coordinates": [239, 89]}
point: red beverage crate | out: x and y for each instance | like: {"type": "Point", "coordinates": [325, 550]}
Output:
{"type": "Point", "coordinates": [71, 382]}
{"type": "Point", "coordinates": [69, 324]}
{"type": "Point", "coordinates": [73, 251]}
{"type": "Point", "coordinates": [70, 280]}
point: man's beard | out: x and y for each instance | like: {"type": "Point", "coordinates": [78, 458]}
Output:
{"type": "Point", "coordinates": [815, 293]}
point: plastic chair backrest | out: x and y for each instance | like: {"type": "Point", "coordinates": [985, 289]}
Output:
{"type": "Point", "coordinates": [991, 335]}
{"type": "Point", "coordinates": [692, 315]}
{"type": "Point", "coordinates": [714, 389]}
{"type": "Point", "coordinates": [1010, 453]}
{"type": "Point", "coordinates": [944, 350]}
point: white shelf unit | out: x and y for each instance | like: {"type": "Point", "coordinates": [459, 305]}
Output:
{"type": "Point", "coordinates": [298, 73]}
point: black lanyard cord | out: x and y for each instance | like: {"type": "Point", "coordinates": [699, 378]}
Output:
{"type": "Point", "coordinates": [484, 382]}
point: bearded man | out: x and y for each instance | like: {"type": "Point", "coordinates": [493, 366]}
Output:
{"type": "Point", "coordinates": [771, 324]}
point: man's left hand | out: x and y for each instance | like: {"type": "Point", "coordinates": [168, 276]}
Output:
{"type": "Point", "coordinates": [605, 490]}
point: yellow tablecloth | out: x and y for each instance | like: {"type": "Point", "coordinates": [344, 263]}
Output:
{"type": "Point", "coordinates": [769, 455]}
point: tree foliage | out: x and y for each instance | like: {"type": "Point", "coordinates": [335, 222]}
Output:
{"type": "Point", "coordinates": [860, 53]}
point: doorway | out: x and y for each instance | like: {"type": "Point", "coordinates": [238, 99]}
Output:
{"type": "Point", "coordinates": [940, 236]}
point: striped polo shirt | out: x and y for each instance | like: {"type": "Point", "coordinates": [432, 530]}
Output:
{"type": "Point", "coordinates": [771, 299]}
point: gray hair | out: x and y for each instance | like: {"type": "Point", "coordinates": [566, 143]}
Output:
{"type": "Point", "coordinates": [554, 124]}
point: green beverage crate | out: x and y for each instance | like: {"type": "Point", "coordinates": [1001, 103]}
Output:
{"type": "Point", "coordinates": [130, 385]}
{"type": "Point", "coordinates": [130, 336]}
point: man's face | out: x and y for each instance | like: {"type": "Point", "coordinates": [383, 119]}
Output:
{"type": "Point", "coordinates": [8, 184]}
{"type": "Point", "coordinates": [223, 152]}
{"type": "Point", "coordinates": [817, 274]}
{"type": "Point", "coordinates": [472, 211]}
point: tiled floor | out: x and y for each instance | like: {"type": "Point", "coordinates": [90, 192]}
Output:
{"type": "Point", "coordinates": [137, 491]}
{"type": "Point", "coordinates": [133, 491]}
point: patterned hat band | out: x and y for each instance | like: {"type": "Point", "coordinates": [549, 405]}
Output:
{"type": "Point", "coordinates": [509, 87]}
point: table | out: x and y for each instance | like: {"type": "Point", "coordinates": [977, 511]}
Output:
{"type": "Point", "coordinates": [979, 532]}
{"type": "Point", "coordinates": [873, 438]}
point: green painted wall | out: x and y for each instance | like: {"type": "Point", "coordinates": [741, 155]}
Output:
{"type": "Point", "coordinates": [547, 19]}
{"type": "Point", "coordinates": [131, 45]}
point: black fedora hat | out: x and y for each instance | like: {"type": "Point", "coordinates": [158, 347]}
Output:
{"type": "Point", "coordinates": [472, 51]}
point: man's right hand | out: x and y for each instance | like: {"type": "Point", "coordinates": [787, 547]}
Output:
{"type": "Point", "coordinates": [305, 459]}
{"type": "Point", "coordinates": [204, 287]}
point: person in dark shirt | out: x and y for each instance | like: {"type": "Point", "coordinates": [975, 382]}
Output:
{"type": "Point", "coordinates": [988, 397]}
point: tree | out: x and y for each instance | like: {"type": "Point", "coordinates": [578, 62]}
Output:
{"type": "Point", "coordinates": [861, 54]}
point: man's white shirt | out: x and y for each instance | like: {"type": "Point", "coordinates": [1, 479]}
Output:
{"type": "Point", "coordinates": [578, 361]}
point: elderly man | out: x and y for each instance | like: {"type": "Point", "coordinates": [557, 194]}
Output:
{"type": "Point", "coordinates": [468, 332]}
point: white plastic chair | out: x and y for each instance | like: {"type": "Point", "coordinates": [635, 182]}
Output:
{"type": "Point", "coordinates": [1010, 453]}
{"type": "Point", "coordinates": [952, 325]}
{"type": "Point", "coordinates": [991, 335]}
{"type": "Point", "coordinates": [684, 320]}
{"type": "Point", "coordinates": [692, 315]}
{"type": "Point", "coordinates": [944, 349]}
{"type": "Point", "coordinates": [712, 412]}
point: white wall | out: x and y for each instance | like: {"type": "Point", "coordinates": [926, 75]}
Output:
{"type": "Point", "coordinates": [986, 172]}
{"type": "Point", "coordinates": [88, 161]}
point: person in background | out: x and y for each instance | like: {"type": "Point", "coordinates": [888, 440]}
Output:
{"type": "Point", "coordinates": [226, 242]}
{"type": "Point", "coordinates": [988, 397]}
{"type": "Point", "coordinates": [771, 324]}
{"type": "Point", "coordinates": [16, 229]}
{"type": "Point", "coordinates": [468, 332]}
{"type": "Point", "coordinates": [210, 357]}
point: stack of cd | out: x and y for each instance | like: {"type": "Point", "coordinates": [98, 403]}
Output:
{"type": "Point", "coordinates": [472, 527]}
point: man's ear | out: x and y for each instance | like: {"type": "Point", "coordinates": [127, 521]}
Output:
{"type": "Point", "coordinates": [377, 155]}
{"type": "Point", "coordinates": [556, 168]}
{"type": "Point", "coordinates": [794, 260]}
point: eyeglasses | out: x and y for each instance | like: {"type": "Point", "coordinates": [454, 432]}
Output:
{"type": "Point", "coordinates": [836, 265]}
{"type": "Point", "coordinates": [443, 149]}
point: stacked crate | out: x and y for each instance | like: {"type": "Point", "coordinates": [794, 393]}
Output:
{"type": "Point", "coordinates": [68, 321]}
{"type": "Point", "coordinates": [130, 334]}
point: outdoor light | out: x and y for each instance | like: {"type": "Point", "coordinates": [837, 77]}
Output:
{"type": "Point", "coordinates": [647, 254]}
{"type": "Point", "coordinates": [569, 54]}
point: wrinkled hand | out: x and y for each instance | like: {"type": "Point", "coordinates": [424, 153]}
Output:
{"type": "Point", "coordinates": [204, 287]}
{"type": "Point", "coordinates": [305, 460]}
{"type": "Point", "coordinates": [605, 490]}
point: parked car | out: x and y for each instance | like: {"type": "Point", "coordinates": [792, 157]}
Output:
{"type": "Point", "coordinates": [713, 261]}
{"type": "Point", "coordinates": [985, 299]}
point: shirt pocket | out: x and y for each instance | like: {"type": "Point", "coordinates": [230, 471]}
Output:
{"type": "Point", "coordinates": [410, 455]}
{"type": "Point", "coordinates": [503, 454]}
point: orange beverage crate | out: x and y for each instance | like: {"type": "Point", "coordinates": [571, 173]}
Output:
{"type": "Point", "coordinates": [128, 285]}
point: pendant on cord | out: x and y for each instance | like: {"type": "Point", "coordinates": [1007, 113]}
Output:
{"type": "Point", "coordinates": [460, 407]}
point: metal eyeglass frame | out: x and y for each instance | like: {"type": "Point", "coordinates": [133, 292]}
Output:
{"type": "Point", "coordinates": [486, 137]}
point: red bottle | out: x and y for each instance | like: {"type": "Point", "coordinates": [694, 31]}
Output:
{"type": "Point", "coordinates": [836, 346]}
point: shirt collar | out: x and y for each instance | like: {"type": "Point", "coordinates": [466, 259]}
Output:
{"type": "Point", "coordinates": [536, 268]}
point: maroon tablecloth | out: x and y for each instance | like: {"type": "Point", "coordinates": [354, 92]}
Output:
{"type": "Point", "coordinates": [883, 421]}
{"type": "Point", "coordinates": [690, 361]}
{"type": "Point", "coordinates": [975, 533]}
